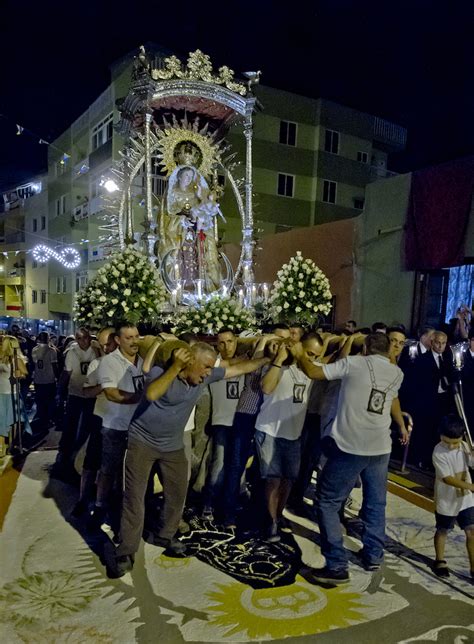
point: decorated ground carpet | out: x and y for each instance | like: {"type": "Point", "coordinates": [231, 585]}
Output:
{"type": "Point", "coordinates": [53, 588]}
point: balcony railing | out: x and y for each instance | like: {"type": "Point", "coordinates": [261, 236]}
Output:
{"type": "Point", "coordinates": [81, 211]}
{"type": "Point", "coordinates": [381, 172]}
{"type": "Point", "coordinates": [82, 167]}
{"type": "Point", "coordinates": [390, 132]}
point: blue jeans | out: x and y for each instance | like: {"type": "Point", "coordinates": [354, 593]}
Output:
{"type": "Point", "coordinates": [334, 486]}
{"type": "Point", "coordinates": [215, 476]}
{"type": "Point", "coordinates": [240, 449]}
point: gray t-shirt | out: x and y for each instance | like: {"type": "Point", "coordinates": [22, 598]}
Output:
{"type": "Point", "coordinates": [161, 423]}
{"type": "Point", "coordinates": [44, 357]}
{"type": "Point", "coordinates": [368, 386]}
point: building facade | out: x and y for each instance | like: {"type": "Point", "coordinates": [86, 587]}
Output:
{"type": "Point", "coordinates": [312, 162]}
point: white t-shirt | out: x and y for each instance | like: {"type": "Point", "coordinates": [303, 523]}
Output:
{"type": "Point", "coordinates": [225, 396]}
{"type": "Point", "coordinates": [191, 421]}
{"type": "Point", "coordinates": [449, 462]}
{"type": "Point", "coordinates": [283, 412]}
{"type": "Point", "coordinates": [44, 357]}
{"type": "Point", "coordinates": [77, 362]}
{"type": "Point", "coordinates": [115, 371]}
{"type": "Point", "coordinates": [100, 406]}
{"type": "Point", "coordinates": [355, 429]}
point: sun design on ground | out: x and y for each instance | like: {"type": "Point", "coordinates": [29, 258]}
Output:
{"type": "Point", "coordinates": [299, 609]}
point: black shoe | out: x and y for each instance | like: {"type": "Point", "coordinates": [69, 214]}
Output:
{"type": "Point", "coordinates": [173, 545]}
{"type": "Point", "coordinates": [273, 535]}
{"type": "Point", "coordinates": [79, 509]}
{"type": "Point", "coordinates": [327, 576]}
{"type": "Point", "coordinates": [116, 566]}
{"type": "Point", "coordinates": [120, 567]}
{"type": "Point", "coordinates": [440, 569]}
{"type": "Point", "coordinates": [96, 519]}
{"type": "Point", "coordinates": [369, 565]}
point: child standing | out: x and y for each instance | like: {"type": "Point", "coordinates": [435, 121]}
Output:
{"type": "Point", "coordinates": [453, 491]}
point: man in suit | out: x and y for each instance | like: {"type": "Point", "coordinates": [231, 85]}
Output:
{"type": "Point", "coordinates": [409, 355]}
{"type": "Point", "coordinates": [433, 375]}
{"type": "Point", "coordinates": [467, 379]}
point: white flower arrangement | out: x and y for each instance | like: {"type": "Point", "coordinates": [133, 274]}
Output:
{"type": "Point", "coordinates": [119, 293]}
{"type": "Point", "coordinates": [301, 292]}
{"type": "Point", "coordinates": [211, 316]}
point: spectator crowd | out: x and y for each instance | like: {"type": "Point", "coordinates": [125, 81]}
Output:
{"type": "Point", "coordinates": [286, 404]}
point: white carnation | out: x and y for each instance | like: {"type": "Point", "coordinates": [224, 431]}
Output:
{"type": "Point", "coordinates": [127, 292]}
{"type": "Point", "coordinates": [114, 286]}
{"type": "Point", "coordinates": [298, 309]}
{"type": "Point", "coordinates": [102, 298]}
{"type": "Point", "coordinates": [301, 294]}
{"type": "Point", "coordinates": [309, 305]}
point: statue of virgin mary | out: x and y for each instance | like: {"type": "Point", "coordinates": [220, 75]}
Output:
{"type": "Point", "coordinates": [188, 224]}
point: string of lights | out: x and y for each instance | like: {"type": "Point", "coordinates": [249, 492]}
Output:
{"type": "Point", "coordinates": [21, 130]}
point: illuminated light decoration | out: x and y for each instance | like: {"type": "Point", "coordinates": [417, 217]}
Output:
{"type": "Point", "coordinates": [109, 185]}
{"type": "Point", "coordinates": [68, 257]}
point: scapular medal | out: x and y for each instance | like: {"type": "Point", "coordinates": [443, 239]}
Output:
{"type": "Point", "coordinates": [376, 401]}
{"type": "Point", "coordinates": [377, 396]}
{"type": "Point", "coordinates": [298, 393]}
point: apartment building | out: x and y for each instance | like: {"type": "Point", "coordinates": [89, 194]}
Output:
{"type": "Point", "coordinates": [312, 161]}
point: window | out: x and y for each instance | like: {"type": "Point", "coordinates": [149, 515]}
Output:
{"type": "Point", "coordinates": [43, 296]}
{"type": "Point", "coordinates": [329, 191]}
{"type": "Point", "coordinates": [61, 284]}
{"type": "Point", "coordinates": [60, 167]}
{"type": "Point", "coordinates": [34, 296]}
{"type": "Point", "coordinates": [362, 157]}
{"type": "Point", "coordinates": [288, 133]}
{"type": "Point", "coordinates": [43, 222]}
{"type": "Point", "coordinates": [102, 132]}
{"type": "Point", "coordinates": [81, 280]}
{"type": "Point", "coordinates": [359, 203]}
{"type": "Point", "coordinates": [35, 224]}
{"type": "Point", "coordinates": [286, 185]}
{"type": "Point", "coordinates": [331, 142]}
{"type": "Point", "coordinates": [61, 206]}
{"type": "Point", "coordinates": [34, 264]}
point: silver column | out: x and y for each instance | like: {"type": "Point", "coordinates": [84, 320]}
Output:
{"type": "Point", "coordinates": [247, 232]}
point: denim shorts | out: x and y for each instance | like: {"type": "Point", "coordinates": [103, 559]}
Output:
{"type": "Point", "coordinates": [114, 446]}
{"type": "Point", "coordinates": [464, 519]}
{"type": "Point", "coordinates": [279, 458]}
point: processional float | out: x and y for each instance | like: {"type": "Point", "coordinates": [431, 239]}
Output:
{"type": "Point", "coordinates": [176, 165]}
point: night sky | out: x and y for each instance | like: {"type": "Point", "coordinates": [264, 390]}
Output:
{"type": "Point", "coordinates": [411, 62]}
